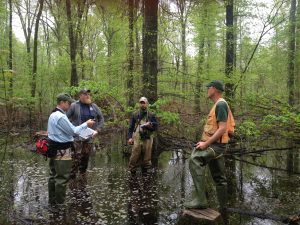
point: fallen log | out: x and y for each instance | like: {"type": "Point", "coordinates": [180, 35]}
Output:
{"type": "Point", "coordinates": [284, 219]}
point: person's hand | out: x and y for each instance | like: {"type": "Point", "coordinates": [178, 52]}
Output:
{"type": "Point", "coordinates": [130, 141]}
{"type": "Point", "coordinates": [94, 134]}
{"type": "Point", "coordinates": [90, 122]}
{"type": "Point", "coordinates": [148, 124]}
{"type": "Point", "coordinates": [201, 145]}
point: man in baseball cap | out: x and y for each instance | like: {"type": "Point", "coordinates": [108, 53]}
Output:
{"type": "Point", "coordinates": [143, 123]}
{"type": "Point", "coordinates": [79, 112]}
{"type": "Point", "coordinates": [216, 84]}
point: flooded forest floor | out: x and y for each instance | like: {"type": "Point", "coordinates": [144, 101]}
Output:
{"type": "Point", "coordinates": [265, 182]}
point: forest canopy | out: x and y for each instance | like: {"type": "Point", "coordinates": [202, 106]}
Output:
{"type": "Point", "coordinates": [167, 50]}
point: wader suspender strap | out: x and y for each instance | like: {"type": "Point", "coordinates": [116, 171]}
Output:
{"type": "Point", "coordinates": [61, 154]}
{"type": "Point", "coordinates": [139, 120]}
{"type": "Point", "coordinates": [136, 124]}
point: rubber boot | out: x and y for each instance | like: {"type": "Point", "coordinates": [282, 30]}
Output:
{"type": "Point", "coordinates": [222, 196]}
{"type": "Point", "coordinates": [63, 169]}
{"type": "Point", "coordinates": [198, 175]}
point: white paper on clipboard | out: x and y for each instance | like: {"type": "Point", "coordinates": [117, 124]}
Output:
{"type": "Point", "coordinates": [86, 133]}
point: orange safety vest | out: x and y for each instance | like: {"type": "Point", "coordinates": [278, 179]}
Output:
{"type": "Point", "coordinates": [211, 125]}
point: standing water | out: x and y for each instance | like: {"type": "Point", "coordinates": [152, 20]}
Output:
{"type": "Point", "coordinates": [259, 183]}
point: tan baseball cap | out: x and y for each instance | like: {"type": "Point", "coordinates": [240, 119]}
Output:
{"type": "Point", "coordinates": [143, 99]}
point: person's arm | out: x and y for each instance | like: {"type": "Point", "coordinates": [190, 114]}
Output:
{"type": "Point", "coordinates": [67, 127]}
{"type": "Point", "coordinates": [131, 126]}
{"type": "Point", "coordinates": [71, 111]}
{"type": "Point", "coordinates": [216, 136]}
{"type": "Point", "coordinates": [221, 116]}
{"type": "Point", "coordinates": [152, 124]}
{"type": "Point", "coordinates": [99, 118]}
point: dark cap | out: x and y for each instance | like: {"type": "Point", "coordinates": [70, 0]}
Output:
{"type": "Point", "coordinates": [64, 97]}
{"type": "Point", "coordinates": [84, 91]}
{"type": "Point", "coordinates": [216, 84]}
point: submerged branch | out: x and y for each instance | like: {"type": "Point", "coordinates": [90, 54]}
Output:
{"type": "Point", "coordinates": [283, 219]}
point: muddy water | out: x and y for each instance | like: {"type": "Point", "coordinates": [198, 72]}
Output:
{"type": "Point", "coordinates": [112, 196]}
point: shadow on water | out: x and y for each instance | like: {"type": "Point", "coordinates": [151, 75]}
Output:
{"type": "Point", "coordinates": [110, 195]}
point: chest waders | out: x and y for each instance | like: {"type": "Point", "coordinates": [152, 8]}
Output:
{"type": "Point", "coordinates": [142, 147]}
{"type": "Point", "coordinates": [213, 157]}
{"type": "Point", "coordinates": [60, 168]}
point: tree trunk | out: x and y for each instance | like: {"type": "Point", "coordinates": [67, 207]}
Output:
{"type": "Point", "coordinates": [82, 57]}
{"type": "Point", "coordinates": [130, 100]}
{"type": "Point", "coordinates": [229, 61]}
{"type": "Point", "coordinates": [183, 52]}
{"type": "Point", "coordinates": [108, 63]}
{"type": "Point", "coordinates": [35, 46]}
{"type": "Point", "coordinates": [291, 53]}
{"type": "Point", "coordinates": [10, 59]}
{"type": "Point", "coordinates": [199, 73]}
{"type": "Point", "coordinates": [182, 4]}
{"type": "Point", "coordinates": [297, 65]}
{"type": "Point", "coordinates": [73, 45]}
{"type": "Point", "coordinates": [150, 50]}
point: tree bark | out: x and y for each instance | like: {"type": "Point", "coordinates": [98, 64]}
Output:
{"type": "Point", "coordinates": [35, 46]}
{"type": "Point", "coordinates": [199, 74]}
{"type": "Point", "coordinates": [10, 57]}
{"type": "Point", "coordinates": [297, 51]}
{"type": "Point", "coordinates": [291, 53]}
{"type": "Point", "coordinates": [73, 45]}
{"type": "Point", "coordinates": [229, 60]}
{"type": "Point", "coordinates": [130, 96]}
{"type": "Point", "coordinates": [150, 50]}
{"type": "Point", "coordinates": [182, 4]}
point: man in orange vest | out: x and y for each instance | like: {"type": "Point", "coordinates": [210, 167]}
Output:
{"type": "Point", "coordinates": [209, 150]}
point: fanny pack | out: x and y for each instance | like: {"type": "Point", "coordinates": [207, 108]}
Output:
{"type": "Point", "coordinates": [55, 147]}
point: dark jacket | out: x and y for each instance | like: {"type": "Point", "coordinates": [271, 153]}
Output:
{"type": "Point", "coordinates": [74, 115]}
{"type": "Point", "coordinates": [136, 118]}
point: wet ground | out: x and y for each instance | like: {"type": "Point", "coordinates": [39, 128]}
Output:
{"type": "Point", "coordinates": [111, 196]}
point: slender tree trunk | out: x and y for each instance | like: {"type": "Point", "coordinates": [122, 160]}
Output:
{"type": "Point", "coordinates": [130, 96]}
{"type": "Point", "coordinates": [229, 60]}
{"type": "Point", "coordinates": [291, 53]}
{"type": "Point", "coordinates": [137, 49]}
{"type": "Point", "coordinates": [73, 45]}
{"type": "Point", "coordinates": [82, 56]}
{"type": "Point", "coordinates": [183, 50]}
{"type": "Point", "coordinates": [109, 54]}
{"type": "Point", "coordinates": [35, 46]}
{"type": "Point", "coordinates": [297, 65]}
{"type": "Point", "coordinates": [199, 74]}
{"type": "Point", "coordinates": [10, 57]}
{"type": "Point", "coordinates": [150, 50]}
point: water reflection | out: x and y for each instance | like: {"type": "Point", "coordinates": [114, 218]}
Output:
{"type": "Point", "coordinates": [111, 196]}
{"type": "Point", "coordinates": [143, 199]}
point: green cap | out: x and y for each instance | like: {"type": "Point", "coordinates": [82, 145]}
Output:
{"type": "Point", "coordinates": [216, 84]}
{"type": "Point", "coordinates": [64, 97]}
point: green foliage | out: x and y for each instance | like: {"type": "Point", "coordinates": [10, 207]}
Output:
{"type": "Point", "coordinates": [166, 117]}
{"type": "Point", "coordinates": [99, 89]}
{"type": "Point", "coordinates": [285, 124]}
{"type": "Point", "coordinates": [248, 129]}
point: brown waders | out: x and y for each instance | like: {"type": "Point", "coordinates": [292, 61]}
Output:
{"type": "Point", "coordinates": [213, 157]}
{"type": "Point", "coordinates": [141, 151]}
{"type": "Point", "coordinates": [60, 168]}
{"type": "Point", "coordinates": [80, 158]}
